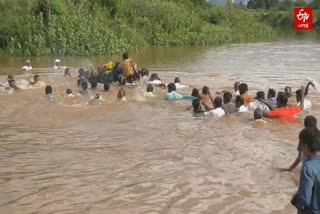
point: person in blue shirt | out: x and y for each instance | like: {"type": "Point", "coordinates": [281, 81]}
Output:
{"type": "Point", "coordinates": [272, 96]}
{"type": "Point", "coordinates": [307, 199]}
{"type": "Point", "coordinates": [172, 94]}
{"type": "Point", "coordinates": [309, 122]}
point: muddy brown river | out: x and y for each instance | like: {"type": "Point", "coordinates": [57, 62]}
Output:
{"type": "Point", "coordinates": [72, 157]}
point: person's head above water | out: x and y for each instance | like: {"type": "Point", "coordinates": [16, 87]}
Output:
{"type": "Point", "coordinates": [282, 101]}
{"type": "Point", "coordinates": [93, 84]}
{"type": "Point", "coordinates": [310, 141]}
{"type": "Point", "coordinates": [171, 87]}
{"type": "Point", "coordinates": [154, 76]}
{"type": "Point", "coordinates": [271, 93]}
{"type": "Point", "coordinates": [195, 92]}
{"type": "Point", "coordinates": [48, 89]}
{"type": "Point", "coordinates": [149, 88]}
{"type": "Point", "coordinates": [145, 72]}
{"type": "Point", "coordinates": [81, 72]}
{"type": "Point", "coordinates": [217, 102]}
{"type": "Point", "coordinates": [121, 93]}
{"type": "Point", "coordinates": [196, 105]}
{"type": "Point", "coordinates": [260, 95]}
{"type": "Point", "coordinates": [227, 97]}
{"type": "Point", "coordinates": [84, 85]}
{"type": "Point", "coordinates": [125, 56]}
{"type": "Point", "coordinates": [67, 72]}
{"type": "Point", "coordinates": [239, 101]}
{"type": "Point", "coordinates": [177, 80]}
{"type": "Point", "coordinates": [257, 114]}
{"type": "Point", "coordinates": [236, 86]}
{"type": "Point", "coordinates": [106, 87]}
{"type": "Point", "coordinates": [287, 91]}
{"type": "Point", "coordinates": [98, 97]}
{"type": "Point", "coordinates": [205, 90]}
{"type": "Point", "coordinates": [36, 77]}
{"type": "Point", "coordinates": [281, 93]}
{"type": "Point", "coordinates": [243, 88]}
{"type": "Point", "coordinates": [310, 121]}
{"type": "Point", "coordinates": [10, 77]}
{"type": "Point", "coordinates": [68, 91]}
{"type": "Point", "coordinates": [57, 62]}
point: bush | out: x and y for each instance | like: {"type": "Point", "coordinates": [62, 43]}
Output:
{"type": "Point", "coordinates": [100, 27]}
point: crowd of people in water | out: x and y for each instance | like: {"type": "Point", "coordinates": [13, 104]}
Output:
{"type": "Point", "coordinates": [274, 105]}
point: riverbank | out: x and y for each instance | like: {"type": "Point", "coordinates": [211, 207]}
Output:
{"type": "Point", "coordinates": [107, 27]}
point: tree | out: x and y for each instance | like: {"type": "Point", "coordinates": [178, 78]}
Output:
{"type": "Point", "coordinates": [241, 4]}
{"type": "Point", "coordinates": [48, 7]}
{"type": "Point", "coordinates": [260, 4]}
{"type": "Point", "coordinates": [315, 4]}
{"type": "Point", "coordinates": [285, 5]}
{"type": "Point", "coordinates": [251, 4]}
{"type": "Point", "coordinates": [300, 3]}
{"type": "Point", "coordinates": [274, 3]}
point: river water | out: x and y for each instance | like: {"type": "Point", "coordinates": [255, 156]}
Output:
{"type": "Point", "coordinates": [153, 157]}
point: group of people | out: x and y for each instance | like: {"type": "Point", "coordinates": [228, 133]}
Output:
{"type": "Point", "coordinates": [275, 105]}
{"type": "Point", "coordinates": [27, 66]}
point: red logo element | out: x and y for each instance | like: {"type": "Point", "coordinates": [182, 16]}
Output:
{"type": "Point", "coordinates": [303, 18]}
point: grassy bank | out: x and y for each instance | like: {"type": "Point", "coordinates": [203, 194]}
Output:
{"type": "Point", "coordinates": [280, 15]}
{"type": "Point", "coordinates": [99, 27]}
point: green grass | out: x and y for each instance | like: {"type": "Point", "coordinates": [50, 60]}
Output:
{"type": "Point", "coordinates": [103, 27]}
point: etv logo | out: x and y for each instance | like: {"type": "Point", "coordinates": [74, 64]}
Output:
{"type": "Point", "coordinates": [303, 18]}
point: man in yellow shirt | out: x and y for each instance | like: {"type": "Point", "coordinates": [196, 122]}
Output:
{"type": "Point", "coordinates": [128, 69]}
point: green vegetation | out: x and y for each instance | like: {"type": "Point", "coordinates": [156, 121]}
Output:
{"type": "Point", "coordinates": [279, 15]}
{"type": "Point", "coordinates": [99, 27]}
{"type": "Point", "coordinates": [282, 5]}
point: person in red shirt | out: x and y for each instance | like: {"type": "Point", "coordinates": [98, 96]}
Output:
{"type": "Point", "coordinates": [284, 111]}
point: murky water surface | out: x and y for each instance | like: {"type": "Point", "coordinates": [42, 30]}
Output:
{"type": "Point", "coordinates": [153, 157]}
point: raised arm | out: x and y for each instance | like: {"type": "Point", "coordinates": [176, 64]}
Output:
{"type": "Point", "coordinates": [211, 98]}
{"type": "Point", "coordinates": [307, 88]}
{"type": "Point", "coordinates": [302, 97]}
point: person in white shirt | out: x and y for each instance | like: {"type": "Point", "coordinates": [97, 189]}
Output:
{"type": "Point", "coordinates": [217, 111]}
{"type": "Point", "coordinates": [178, 85]}
{"type": "Point", "coordinates": [27, 67]}
{"type": "Point", "coordinates": [307, 102]}
{"type": "Point", "coordinates": [155, 80]}
{"type": "Point", "coordinates": [239, 102]}
{"type": "Point", "coordinates": [236, 88]}
{"type": "Point", "coordinates": [145, 76]}
{"type": "Point", "coordinates": [57, 64]}
{"type": "Point", "coordinates": [257, 104]}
